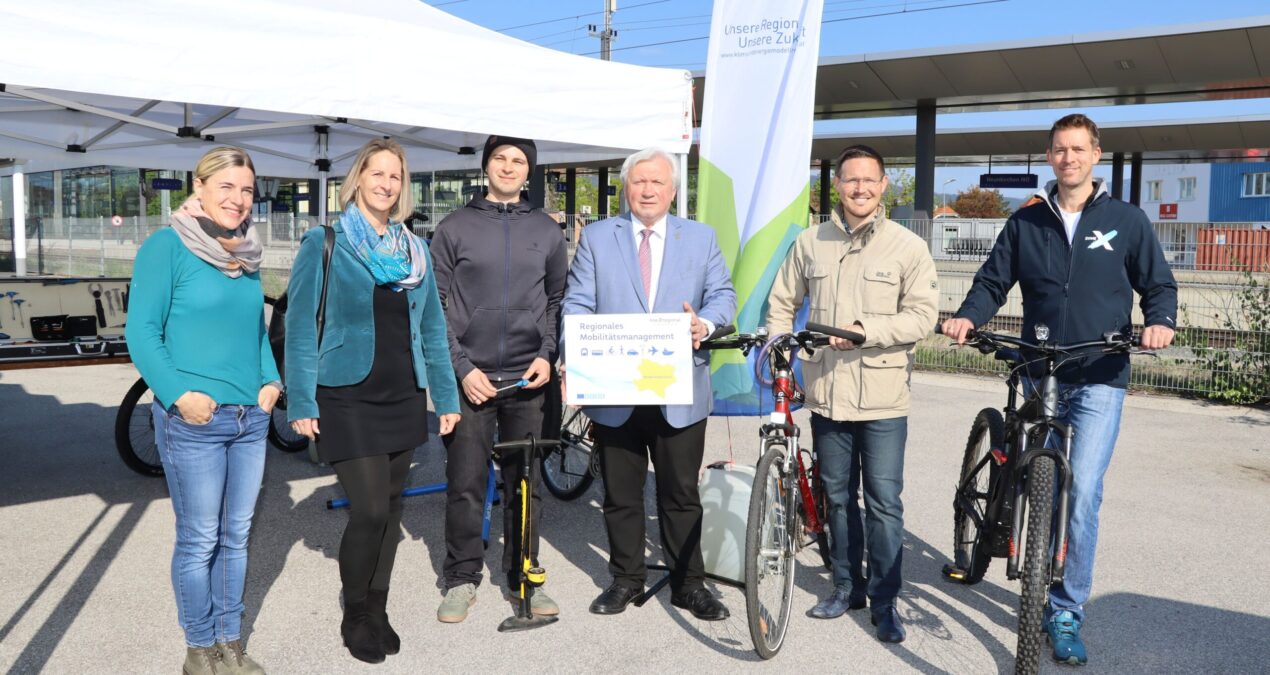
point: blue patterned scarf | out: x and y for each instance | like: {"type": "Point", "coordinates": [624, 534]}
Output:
{"type": "Point", "coordinates": [398, 258]}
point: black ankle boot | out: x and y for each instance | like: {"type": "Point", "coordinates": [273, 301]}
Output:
{"type": "Point", "coordinates": [359, 633]}
{"type": "Point", "coordinates": [377, 602]}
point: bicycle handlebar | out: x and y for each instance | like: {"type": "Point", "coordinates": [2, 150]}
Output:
{"type": "Point", "coordinates": [850, 336]}
{"type": "Point", "coordinates": [815, 335]}
{"type": "Point", "coordinates": [985, 341]}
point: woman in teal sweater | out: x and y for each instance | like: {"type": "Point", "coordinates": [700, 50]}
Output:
{"type": "Point", "coordinates": [196, 332]}
{"type": "Point", "coordinates": [359, 387]}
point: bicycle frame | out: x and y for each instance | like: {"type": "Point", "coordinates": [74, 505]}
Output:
{"type": "Point", "coordinates": [781, 429]}
{"type": "Point", "coordinates": [787, 433]}
{"type": "Point", "coordinates": [1033, 423]}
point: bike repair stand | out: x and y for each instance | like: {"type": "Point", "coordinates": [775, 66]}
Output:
{"type": "Point", "coordinates": [652, 590]}
{"type": "Point", "coordinates": [531, 576]}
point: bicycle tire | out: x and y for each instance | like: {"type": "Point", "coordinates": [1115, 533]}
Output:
{"type": "Point", "coordinates": [824, 538]}
{"type": "Point", "coordinates": [971, 553]}
{"type": "Point", "coordinates": [1036, 564]}
{"type": "Point", "coordinates": [566, 470]}
{"type": "Point", "coordinates": [134, 431]}
{"type": "Point", "coordinates": [281, 435]}
{"type": "Point", "coordinates": [769, 554]}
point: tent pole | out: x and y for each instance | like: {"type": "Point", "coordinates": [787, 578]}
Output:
{"type": "Point", "coordinates": [321, 196]}
{"type": "Point", "coordinates": [19, 221]}
{"type": "Point", "coordinates": [681, 204]}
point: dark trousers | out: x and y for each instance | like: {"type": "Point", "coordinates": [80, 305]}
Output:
{"type": "Point", "coordinates": [676, 455]}
{"type": "Point", "coordinates": [369, 546]}
{"type": "Point", "coordinates": [513, 416]}
{"type": "Point", "coordinates": [870, 453]}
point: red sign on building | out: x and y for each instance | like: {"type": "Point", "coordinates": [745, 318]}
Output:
{"type": "Point", "coordinates": [1168, 211]}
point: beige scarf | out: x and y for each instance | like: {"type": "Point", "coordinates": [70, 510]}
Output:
{"type": "Point", "coordinates": [231, 255]}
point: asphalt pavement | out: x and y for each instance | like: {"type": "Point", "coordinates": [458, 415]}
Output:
{"type": "Point", "coordinates": [85, 546]}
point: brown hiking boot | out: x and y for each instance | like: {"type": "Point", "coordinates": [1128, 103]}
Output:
{"type": "Point", "coordinates": [202, 661]}
{"type": "Point", "coordinates": [234, 659]}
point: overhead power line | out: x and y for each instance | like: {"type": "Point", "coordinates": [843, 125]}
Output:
{"type": "Point", "coordinates": [578, 16]}
{"type": "Point", "coordinates": [906, 10]}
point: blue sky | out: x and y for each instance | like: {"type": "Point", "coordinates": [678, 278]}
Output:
{"type": "Point", "coordinates": [670, 33]}
{"type": "Point", "coordinates": [851, 26]}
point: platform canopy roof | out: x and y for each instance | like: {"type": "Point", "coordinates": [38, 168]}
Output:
{"type": "Point", "coordinates": [154, 85]}
{"type": "Point", "coordinates": [1212, 60]}
{"type": "Point", "coordinates": [1199, 138]}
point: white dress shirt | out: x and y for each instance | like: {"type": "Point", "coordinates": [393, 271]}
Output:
{"type": "Point", "coordinates": [656, 247]}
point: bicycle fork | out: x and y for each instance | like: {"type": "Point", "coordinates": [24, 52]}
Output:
{"type": "Point", "coordinates": [1063, 468]}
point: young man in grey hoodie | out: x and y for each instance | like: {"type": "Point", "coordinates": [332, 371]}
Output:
{"type": "Point", "coordinates": [500, 266]}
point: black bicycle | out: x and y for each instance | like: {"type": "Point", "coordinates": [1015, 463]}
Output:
{"type": "Point", "coordinates": [570, 467]}
{"type": "Point", "coordinates": [1010, 472]}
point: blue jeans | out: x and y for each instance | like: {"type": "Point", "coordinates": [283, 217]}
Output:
{"type": "Point", "coordinates": [1093, 412]}
{"type": "Point", "coordinates": [213, 472]}
{"type": "Point", "coordinates": [872, 450]}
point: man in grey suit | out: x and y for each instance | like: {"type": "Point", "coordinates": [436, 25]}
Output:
{"type": "Point", "coordinates": [647, 261]}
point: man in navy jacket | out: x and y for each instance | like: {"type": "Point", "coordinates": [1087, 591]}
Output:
{"type": "Point", "coordinates": [1078, 256]}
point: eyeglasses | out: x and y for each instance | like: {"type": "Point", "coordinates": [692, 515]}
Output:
{"type": "Point", "coordinates": [860, 182]}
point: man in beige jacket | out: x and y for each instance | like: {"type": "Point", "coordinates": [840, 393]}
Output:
{"type": "Point", "coordinates": [867, 274]}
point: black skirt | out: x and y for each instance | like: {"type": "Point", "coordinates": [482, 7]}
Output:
{"type": "Point", "coordinates": [386, 412]}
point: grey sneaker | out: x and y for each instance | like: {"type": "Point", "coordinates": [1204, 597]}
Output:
{"type": "Point", "coordinates": [234, 659]}
{"type": "Point", "coordinates": [540, 604]}
{"type": "Point", "coordinates": [457, 600]}
{"type": "Point", "coordinates": [202, 661]}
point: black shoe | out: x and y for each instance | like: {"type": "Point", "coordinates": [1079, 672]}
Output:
{"type": "Point", "coordinates": [890, 627]}
{"type": "Point", "coordinates": [615, 598]}
{"type": "Point", "coordinates": [377, 603]}
{"type": "Point", "coordinates": [702, 604]}
{"type": "Point", "coordinates": [359, 633]}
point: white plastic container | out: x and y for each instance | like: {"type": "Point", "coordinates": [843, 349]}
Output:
{"type": "Point", "coordinates": [725, 506]}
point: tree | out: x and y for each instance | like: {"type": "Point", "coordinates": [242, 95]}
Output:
{"type": "Point", "coordinates": [975, 202]}
{"type": "Point", "coordinates": [902, 189]}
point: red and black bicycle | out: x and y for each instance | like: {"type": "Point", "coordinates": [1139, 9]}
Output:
{"type": "Point", "coordinates": [787, 506]}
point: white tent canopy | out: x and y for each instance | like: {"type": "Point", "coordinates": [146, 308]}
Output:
{"type": "Point", "coordinates": [90, 82]}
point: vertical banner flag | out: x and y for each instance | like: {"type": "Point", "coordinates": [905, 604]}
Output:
{"type": "Point", "coordinates": [754, 172]}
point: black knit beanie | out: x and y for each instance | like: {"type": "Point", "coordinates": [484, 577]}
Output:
{"type": "Point", "coordinates": [526, 146]}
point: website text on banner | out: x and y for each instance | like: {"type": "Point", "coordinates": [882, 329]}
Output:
{"type": "Point", "coordinates": [755, 144]}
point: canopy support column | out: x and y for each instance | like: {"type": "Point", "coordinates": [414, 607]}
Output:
{"type": "Point", "coordinates": [1135, 187]}
{"type": "Point", "coordinates": [924, 171]}
{"type": "Point", "coordinates": [19, 221]}
{"type": "Point", "coordinates": [1117, 175]}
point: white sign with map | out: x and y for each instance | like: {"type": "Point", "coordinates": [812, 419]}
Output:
{"type": "Point", "coordinates": [628, 359]}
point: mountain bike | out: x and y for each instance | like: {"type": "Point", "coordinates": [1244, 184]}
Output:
{"type": "Point", "coordinates": [1011, 473]}
{"type": "Point", "coordinates": [787, 505]}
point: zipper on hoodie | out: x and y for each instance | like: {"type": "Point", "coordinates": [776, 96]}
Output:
{"type": "Point", "coordinates": [505, 210]}
{"type": "Point", "coordinates": [1071, 259]}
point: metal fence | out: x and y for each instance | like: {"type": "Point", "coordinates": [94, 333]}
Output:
{"type": "Point", "coordinates": [1222, 349]}
{"type": "Point", "coordinates": [1223, 273]}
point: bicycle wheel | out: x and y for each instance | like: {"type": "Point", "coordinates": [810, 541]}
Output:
{"type": "Point", "coordinates": [769, 554]}
{"type": "Point", "coordinates": [566, 470]}
{"type": "Point", "coordinates": [824, 538]}
{"type": "Point", "coordinates": [134, 431]}
{"type": "Point", "coordinates": [281, 435]}
{"type": "Point", "coordinates": [971, 551]}
{"type": "Point", "coordinates": [1036, 564]}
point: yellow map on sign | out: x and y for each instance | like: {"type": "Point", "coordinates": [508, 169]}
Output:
{"type": "Point", "coordinates": [655, 377]}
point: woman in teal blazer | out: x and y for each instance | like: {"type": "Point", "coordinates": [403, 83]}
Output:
{"type": "Point", "coordinates": [358, 389]}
